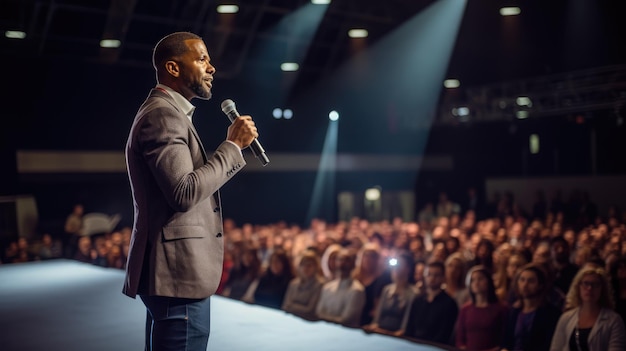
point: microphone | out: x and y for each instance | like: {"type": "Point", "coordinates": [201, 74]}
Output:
{"type": "Point", "coordinates": [228, 107]}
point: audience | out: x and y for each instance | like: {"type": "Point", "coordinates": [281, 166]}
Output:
{"type": "Point", "coordinates": [392, 313]}
{"type": "Point", "coordinates": [456, 269]}
{"type": "Point", "coordinates": [371, 272]}
{"type": "Point", "coordinates": [433, 314]}
{"type": "Point", "coordinates": [481, 322]}
{"type": "Point", "coordinates": [343, 298]}
{"type": "Point", "coordinates": [303, 292]}
{"type": "Point", "coordinates": [496, 238]}
{"type": "Point", "coordinates": [531, 324]}
{"type": "Point", "coordinates": [272, 285]}
{"type": "Point", "coordinates": [591, 323]}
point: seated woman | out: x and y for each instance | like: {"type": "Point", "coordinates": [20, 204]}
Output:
{"type": "Point", "coordinates": [241, 276]}
{"type": "Point", "coordinates": [481, 321]}
{"type": "Point", "coordinates": [371, 272]}
{"type": "Point", "coordinates": [392, 313]}
{"type": "Point", "coordinates": [303, 291]}
{"type": "Point", "coordinates": [590, 324]}
{"type": "Point", "coordinates": [272, 285]}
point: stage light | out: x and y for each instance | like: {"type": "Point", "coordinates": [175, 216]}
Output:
{"type": "Point", "coordinates": [451, 83]}
{"type": "Point", "coordinates": [287, 114]}
{"type": "Point", "coordinates": [228, 9]}
{"type": "Point", "coordinates": [333, 115]}
{"type": "Point", "coordinates": [357, 33]}
{"type": "Point", "coordinates": [534, 143]}
{"type": "Point", "coordinates": [510, 11]}
{"type": "Point", "coordinates": [521, 114]}
{"type": "Point", "coordinates": [289, 67]}
{"type": "Point", "coordinates": [372, 194]}
{"type": "Point", "coordinates": [320, 2]}
{"type": "Point", "coordinates": [460, 111]}
{"type": "Point", "coordinates": [15, 34]}
{"type": "Point", "coordinates": [277, 113]}
{"type": "Point", "coordinates": [523, 101]}
{"type": "Point", "coordinates": [110, 43]}
{"type": "Point", "coordinates": [393, 261]}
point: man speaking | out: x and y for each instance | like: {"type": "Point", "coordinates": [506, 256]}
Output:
{"type": "Point", "coordinates": [176, 253]}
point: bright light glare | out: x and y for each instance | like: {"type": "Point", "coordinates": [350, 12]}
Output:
{"type": "Point", "coordinates": [15, 34]}
{"type": "Point", "coordinates": [289, 67]}
{"type": "Point", "coordinates": [228, 9]}
{"type": "Point", "coordinates": [320, 2]}
{"type": "Point", "coordinates": [460, 111]}
{"type": "Point", "coordinates": [451, 83]}
{"type": "Point", "coordinates": [393, 261]}
{"type": "Point", "coordinates": [110, 43]}
{"type": "Point", "coordinates": [287, 114]}
{"type": "Point", "coordinates": [372, 194]}
{"type": "Point", "coordinates": [357, 33]}
{"type": "Point", "coordinates": [333, 115]}
{"type": "Point", "coordinates": [534, 144]}
{"type": "Point", "coordinates": [510, 11]}
{"type": "Point", "coordinates": [523, 101]}
{"type": "Point", "coordinates": [277, 113]}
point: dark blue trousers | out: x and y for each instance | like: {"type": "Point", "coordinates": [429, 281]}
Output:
{"type": "Point", "coordinates": [176, 324]}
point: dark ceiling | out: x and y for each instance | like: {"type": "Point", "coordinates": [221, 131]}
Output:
{"type": "Point", "coordinates": [548, 37]}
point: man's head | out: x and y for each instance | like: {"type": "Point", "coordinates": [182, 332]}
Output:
{"type": "Point", "coordinates": [559, 249]}
{"type": "Point", "coordinates": [531, 282]}
{"type": "Point", "coordinates": [434, 275]}
{"type": "Point", "coordinates": [182, 62]}
{"type": "Point", "coordinates": [345, 262]}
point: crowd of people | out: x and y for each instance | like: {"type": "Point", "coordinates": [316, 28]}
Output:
{"type": "Point", "coordinates": [509, 280]}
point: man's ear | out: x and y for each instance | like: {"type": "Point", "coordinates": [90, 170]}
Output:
{"type": "Point", "coordinates": [172, 68]}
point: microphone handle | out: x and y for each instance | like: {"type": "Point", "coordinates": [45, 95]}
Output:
{"type": "Point", "coordinates": [255, 146]}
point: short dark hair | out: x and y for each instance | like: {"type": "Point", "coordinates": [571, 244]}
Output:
{"type": "Point", "coordinates": [170, 46]}
{"type": "Point", "coordinates": [437, 264]}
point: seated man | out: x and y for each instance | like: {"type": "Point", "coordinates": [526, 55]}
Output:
{"type": "Point", "coordinates": [343, 298]}
{"type": "Point", "coordinates": [433, 313]}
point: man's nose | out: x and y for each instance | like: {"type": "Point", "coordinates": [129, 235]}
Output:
{"type": "Point", "coordinates": [210, 69]}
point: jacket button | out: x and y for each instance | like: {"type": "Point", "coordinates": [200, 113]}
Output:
{"type": "Point", "coordinates": [219, 235]}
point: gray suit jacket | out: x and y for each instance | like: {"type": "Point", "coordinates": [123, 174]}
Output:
{"type": "Point", "coordinates": [177, 246]}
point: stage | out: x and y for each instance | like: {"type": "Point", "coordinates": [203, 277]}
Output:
{"type": "Point", "coordinates": [66, 305]}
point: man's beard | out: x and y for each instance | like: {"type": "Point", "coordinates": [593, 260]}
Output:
{"type": "Point", "coordinates": [201, 91]}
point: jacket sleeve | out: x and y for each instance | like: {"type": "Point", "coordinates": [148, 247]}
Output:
{"type": "Point", "coordinates": [559, 339]}
{"type": "Point", "coordinates": [617, 340]}
{"type": "Point", "coordinates": [163, 138]}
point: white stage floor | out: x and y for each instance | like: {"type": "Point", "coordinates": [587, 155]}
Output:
{"type": "Point", "coordinates": [67, 305]}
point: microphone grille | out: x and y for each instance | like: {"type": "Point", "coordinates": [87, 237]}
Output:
{"type": "Point", "coordinates": [228, 105]}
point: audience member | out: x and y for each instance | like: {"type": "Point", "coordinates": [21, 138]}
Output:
{"type": "Point", "coordinates": [85, 252]}
{"type": "Point", "coordinates": [506, 278]}
{"type": "Point", "coordinates": [73, 230]}
{"type": "Point", "coordinates": [241, 277]}
{"type": "Point", "coordinates": [433, 314]}
{"type": "Point", "coordinates": [590, 324]}
{"type": "Point", "coordinates": [618, 282]}
{"type": "Point", "coordinates": [49, 248]}
{"type": "Point", "coordinates": [531, 324]}
{"type": "Point", "coordinates": [564, 270]}
{"type": "Point", "coordinates": [329, 261]}
{"type": "Point", "coordinates": [456, 269]}
{"type": "Point", "coordinates": [372, 273]}
{"type": "Point", "coordinates": [272, 285]}
{"type": "Point", "coordinates": [392, 313]}
{"type": "Point", "coordinates": [481, 322]}
{"type": "Point", "coordinates": [303, 292]}
{"type": "Point", "coordinates": [342, 299]}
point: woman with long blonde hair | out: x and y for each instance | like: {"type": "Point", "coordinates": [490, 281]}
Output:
{"type": "Point", "coordinates": [590, 323]}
